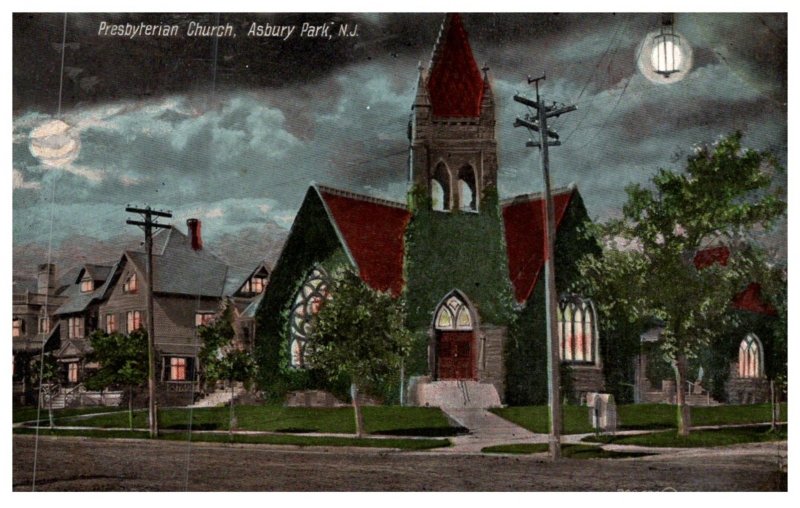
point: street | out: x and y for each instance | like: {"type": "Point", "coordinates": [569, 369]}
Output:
{"type": "Point", "coordinates": [83, 464]}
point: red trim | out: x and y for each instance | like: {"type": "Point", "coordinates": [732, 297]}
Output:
{"type": "Point", "coordinates": [750, 300]}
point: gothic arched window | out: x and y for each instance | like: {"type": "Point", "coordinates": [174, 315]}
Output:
{"type": "Point", "coordinates": [751, 357]}
{"type": "Point", "coordinates": [466, 189]}
{"type": "Point", "coordinates": [453, 314]}
{"type": "Point", "coordinates": [306, 306]}
{"type": "Point", "coordinates": [440, 188]}
{"type": "Point", "coordinates": [577, 332]}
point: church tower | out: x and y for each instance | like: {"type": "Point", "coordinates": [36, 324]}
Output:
{"type": "Point", "coordinates": [452, 134]}
{"type": "Point", "coordinates": [458, 291]}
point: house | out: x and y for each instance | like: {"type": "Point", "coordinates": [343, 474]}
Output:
{"type": "Point", "coordinates": [469, 265]}
{"type": "Point", "coordinates": [734, 369]}
{"type": "Point", "coordinates": [34, 303]}
{"type": "Point", "coordinates": [190, 287]}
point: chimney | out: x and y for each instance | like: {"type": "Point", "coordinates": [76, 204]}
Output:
{"type": "Point", "coordinates": [194, 233]}
{"type": "Point", "coordinates": [46, 279]}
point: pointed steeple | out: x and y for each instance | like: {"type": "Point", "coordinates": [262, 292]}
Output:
{"type": "Point", "coordinates": [455, 85]}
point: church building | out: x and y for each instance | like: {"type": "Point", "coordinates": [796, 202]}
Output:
{"type": "Point", "coordinates": [468, 262]}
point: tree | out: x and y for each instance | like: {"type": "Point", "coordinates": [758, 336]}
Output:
{"type": "Point", "coordinates": [236, 366]}
{"type": "Point", "coordinates": [359, 333]}
{"type": "Point", "coordinates": [220, 359]}
{"type": "Point", "coordinates": [47, 372]}
{"type": "Point", "coordinates": [123, 362]}
{"type": "Point", "coordinates": [648, 270]}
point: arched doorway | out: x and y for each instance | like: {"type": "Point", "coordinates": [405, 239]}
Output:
{"type": "Point", "coordinates": [456, 352]}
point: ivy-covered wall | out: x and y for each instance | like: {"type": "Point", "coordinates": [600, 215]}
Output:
{"type": "Point", "coordinates": [526, 349]}
{"type": "Point", "coordinates": [312, 241]}
{"type": "Point", "coordinates": [454, 250]}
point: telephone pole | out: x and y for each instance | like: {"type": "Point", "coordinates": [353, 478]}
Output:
{"type": "Point", "coordinates": [148, 224]}
{"type": "Point", "coordinates": [539, 124]}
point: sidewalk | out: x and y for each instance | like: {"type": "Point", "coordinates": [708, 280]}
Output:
{"type": "Point", "coordinates": [485, 429]}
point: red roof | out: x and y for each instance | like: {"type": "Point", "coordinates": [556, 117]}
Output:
{"type": "Point", "coordinates": [524, 230]}
{"type": "Point", "coordinates": [707, 257]}
{"type": "Point", "coordinates": [373, 231]}
{"type": "Point", "coordinates": [750, 298]}
{"type": "Point", "coordinates": [455, 84]}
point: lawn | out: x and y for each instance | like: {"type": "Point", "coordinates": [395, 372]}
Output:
{"type": "Point", "coordinates": [697, 438]}
{"type": "Point", "coordinates": [388, 420]}
{"type": "Point", "coordinates": [639, 416]}
{"type": "Point", "coordinates": [569, 451]}
{"type": "Point", "coordinates": [273, 439]}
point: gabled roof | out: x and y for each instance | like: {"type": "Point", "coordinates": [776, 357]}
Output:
{"type": "Point", "coordinates": [372, 232]}
{"type": "Point", "coordinates": [78, 301]}
{"type": "Point", "coordinates": [98, 273]}
{"type": "Point", "coordinates": [455, 84]}
{"type": "Point", "coordinates": [523, 217]}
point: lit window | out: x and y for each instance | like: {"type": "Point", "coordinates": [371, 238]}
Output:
{"type": "Point", "coordinates": [750, 357]}
{"type": "Point", "coordinates": [111, 323]}
{"type": "Point", "coordinates": [577, 333]}
{"type": "Point", "coordinates": [203, 318]}
{"type": "Point", "coordinates": [131, 284]}
{"type": "Point", "coordinates": [87, 285]}
{"type": "Point", "coordinates": [306, 305]}
{"type": "Point", "coordinates": [257, 285]}
{"type": "Point", "coordinates": [18, 328]}
{"type": "Point", "coordinates": [75, 327]}
{"type": "Point", "coordinates": [134, 320]}
{"type": "Point", "coordinates": [453, 315]}
{"type": "Point", "coordinates": [44, 325]}
{"type": "Point", "coordinates": [177, 368]}
{"type": "Point", "coordinates": [72, 372]}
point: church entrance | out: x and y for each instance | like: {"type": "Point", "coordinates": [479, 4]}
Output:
{"type": "Point", "coordinates": [456, 355]}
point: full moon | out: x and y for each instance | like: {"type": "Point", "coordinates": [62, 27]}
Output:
{"type": "Point", "coordinates": [652, 56]}
{"type": "Point", "coordinates": [55, 143]}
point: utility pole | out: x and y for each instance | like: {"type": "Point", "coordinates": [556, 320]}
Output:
{"type": "Point", "coordinates": [148, 224]}
{"type": "Point", "coordinates": [539, 124]}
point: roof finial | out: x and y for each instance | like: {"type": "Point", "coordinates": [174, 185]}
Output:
{"type": "Point", "coordinates": [485, 70]}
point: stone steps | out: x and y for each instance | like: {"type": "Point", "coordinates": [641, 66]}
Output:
{"type": "Point", "coordinates": [457, 394]}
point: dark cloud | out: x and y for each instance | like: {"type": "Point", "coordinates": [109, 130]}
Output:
{"type": "Point", "coordinates": [239, 150]}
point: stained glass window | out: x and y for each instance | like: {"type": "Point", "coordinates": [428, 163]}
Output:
{"type": "Point", "coordinates": [577, 334]}
{"type": "Point", "coordinates": [453, 315]}
{"type": "Point", "coordinates": [750, 357]}
{"type": "Point", "coordinates": [306, 305]}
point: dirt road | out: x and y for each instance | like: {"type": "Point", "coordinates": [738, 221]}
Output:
{"type": "Point", "coordinates": [80, 464]}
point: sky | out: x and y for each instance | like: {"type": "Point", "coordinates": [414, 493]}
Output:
{"type": "Point", "coordinates": [233, 132]}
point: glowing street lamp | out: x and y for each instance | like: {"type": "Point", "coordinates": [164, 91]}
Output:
{"type": "Point", "coordinates": [666, 55]}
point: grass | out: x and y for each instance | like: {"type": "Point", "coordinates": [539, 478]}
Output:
{"type": "Point", "coordinates": [388, 420]}
{"type": "Point", "coordinates": [404, 444]}
{"type": "Point", "coordinates": [697, 438]}
{"type": "Point", "coordinates": [569, 451]}
{"type": "Point", "coordinates": [639, 416]}
{"type": "Point", "coordinates": [27, 414]}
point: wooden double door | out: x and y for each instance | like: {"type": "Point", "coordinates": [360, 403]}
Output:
{"type": "Point", "coordinates": [455, 354]}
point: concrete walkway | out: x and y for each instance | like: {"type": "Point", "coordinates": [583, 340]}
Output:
{"type": "Point", "coordinates": [485, 429]}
